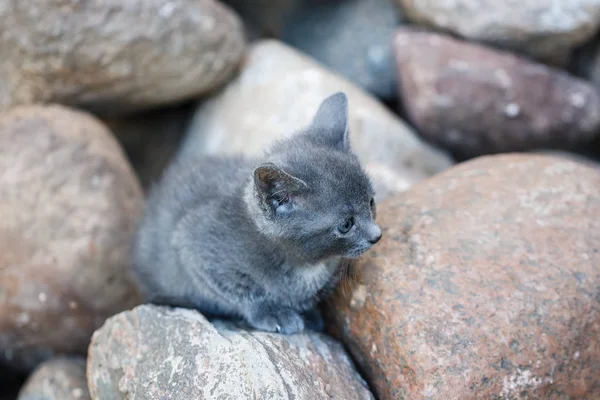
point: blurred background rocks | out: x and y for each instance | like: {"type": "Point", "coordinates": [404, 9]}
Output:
{"type": "Point", "coordinates": [486, 282]}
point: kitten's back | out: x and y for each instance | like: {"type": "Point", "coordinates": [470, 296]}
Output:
{"type": "Point", "coordinates": [201, 183]}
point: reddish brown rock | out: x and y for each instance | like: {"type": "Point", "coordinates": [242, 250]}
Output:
{"type": "Point", "coordinates": [474, 100]}
{"type": "Point", "coordinates": [486, 285]}
{"type": "Point", "coordinates": [69, 202]}
{"type": "Point", "coordinates": [57, 379]}
{"type": "Point", "coordinates": [576, 157]}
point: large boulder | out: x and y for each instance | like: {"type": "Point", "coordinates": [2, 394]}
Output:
{"type": "Point", "coordinates": [158, 353]}
{"type": "Point", "coordinates": [475, 100]}
{"type": "Point", "coordinates": [278, 92]}
{"type": "Point", "coordinates": [114, 56]}
{"type": "Point", "coordinates": [57, 379]}
{"type": "Point", "coordinates": [545, 29]}
{"type": "Point", "coordinates": [69, 203]}
{"type": "Point", "coordinates": [352, 38]}
{"type": "Point", "coordinates": [486, 285]}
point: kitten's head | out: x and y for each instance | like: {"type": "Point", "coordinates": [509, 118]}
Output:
{"type": "Point", "coordinates": [311, 195]}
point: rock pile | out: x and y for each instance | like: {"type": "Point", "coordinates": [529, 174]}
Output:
{"type": "Point", "coordinates": [486, 282]}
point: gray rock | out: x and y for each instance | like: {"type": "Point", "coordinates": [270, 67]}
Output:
{"type": "Point", "coordinates": [278, 92]}
{"type": "Point", "coordinates": [351, 37]}
{"type": "Point", "coordinates": [475, 100]}
{"type": "Point", "coordinates": [161, 353]}
{"type": "Point", "coordinates": [114, 56]}
{"type": "Point", "coordinates": [546, 29]}
{"type": "Point", "coordinates": [57, 379]}
{"type": "Point", "coordinates": [69, 203]}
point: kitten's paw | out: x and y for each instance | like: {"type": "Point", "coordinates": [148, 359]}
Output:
{"type": "Point", "coordinates": [286, 321]}
{"type": "Point", "coordinates": [313, 320]}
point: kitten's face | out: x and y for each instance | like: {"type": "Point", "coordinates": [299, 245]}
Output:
{"type": "Point", "coordinates": [331, 212]}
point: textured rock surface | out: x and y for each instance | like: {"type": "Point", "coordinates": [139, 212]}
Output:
{"type": "Point", "coordinates": [352, 38]}
{"type": "Point", "coordinates": [278, 92]}
{"type": "Point", "coordinates": [486, 285]}
{"type": "Point", "coordinates": [113, 56]}
{"type": "Point", "coordinates": [57, 379]}
{"type": "Point", "coordinates": [151, 138]}
{"type": "Point", "coordinates": [475, 100]}
{"type": "Point", "coordinates": [69, 202]}
{"type": "Point", "coordinates": [576, 157]}
{"type": "Point", "coordinates": [153, 352]}
{"type": "Point", "coordinates": [546, 29]}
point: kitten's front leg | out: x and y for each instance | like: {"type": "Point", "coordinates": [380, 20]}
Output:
{"type": "Point", "coordinates": [271, 318]}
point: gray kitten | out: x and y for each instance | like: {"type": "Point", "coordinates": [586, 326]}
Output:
{"type": "Point", "coordinates": [259, 239]}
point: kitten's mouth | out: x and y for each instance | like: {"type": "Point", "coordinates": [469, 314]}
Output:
{"type": "Point", "coordinates": [357, 252]}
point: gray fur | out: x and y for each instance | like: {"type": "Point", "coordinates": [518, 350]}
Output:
{"type": "Point", "coordinates": [258, 239]}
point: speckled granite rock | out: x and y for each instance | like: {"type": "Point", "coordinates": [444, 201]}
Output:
{"type": "Point", "coordinates": [576, 157]}
{"type": "Point", "coordinates": [114, 56]}
{"type": "Point", "coordinates": [69, 203]}
{"type": "Point", "coordinates": [161, 353]}
{"type": "Point", "coordinates": [486, 285]}
{"type": "Point", "coordinates": [475, 100]}
{"type": "Point", "coordinates": [57, 379]}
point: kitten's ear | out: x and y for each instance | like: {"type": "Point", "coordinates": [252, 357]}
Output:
{"type": "Point", "coordinates": [275, 187]}
{"type": "Point", "coordinates": [330, 124]}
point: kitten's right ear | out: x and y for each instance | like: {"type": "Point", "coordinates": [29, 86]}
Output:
{"type": "Point", "coordinates": [276, 188]}
{"type": "Point", "coordinates": [330, 124]}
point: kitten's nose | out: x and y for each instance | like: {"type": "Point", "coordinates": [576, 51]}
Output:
{"type": "Point", "coordinates": [374, 234]}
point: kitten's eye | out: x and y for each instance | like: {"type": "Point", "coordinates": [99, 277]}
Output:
{"type": "Point", "coordinates": [346, 225]}
{"type": "Point", "coordinates": [372, 203]}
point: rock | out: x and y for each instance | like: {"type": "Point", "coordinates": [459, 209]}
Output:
{"type": "Point", "coordinates": [151, 138]}
{"type": "Point", "coordinates": [544, 29]}
{"type": "Point", "coordinates": [57, 379]}
{"type": "Point", "coordinates": [474, 100]}
{"type": "Point", "coordinates": [114, 57]}
{"type": "Point", "coordinates": [388, 181]}
{"type": "Point", "coordinates": [486, 285]}
{"type": "Point", "coordinates": [69, 203]}
{"type": "Point", "coordinates": [278, 93]}
{"type": "Point", "coordinates": [153, 352]}
{"type": "Point", "coordinates": [352, 38]}
{"type": "Point", "coordinates": [576, 157]}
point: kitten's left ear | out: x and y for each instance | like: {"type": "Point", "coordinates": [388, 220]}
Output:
{"type": "Point", "coordinates": [330, 124]}
{"type": "Point", "coordinates": [275, 187]}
